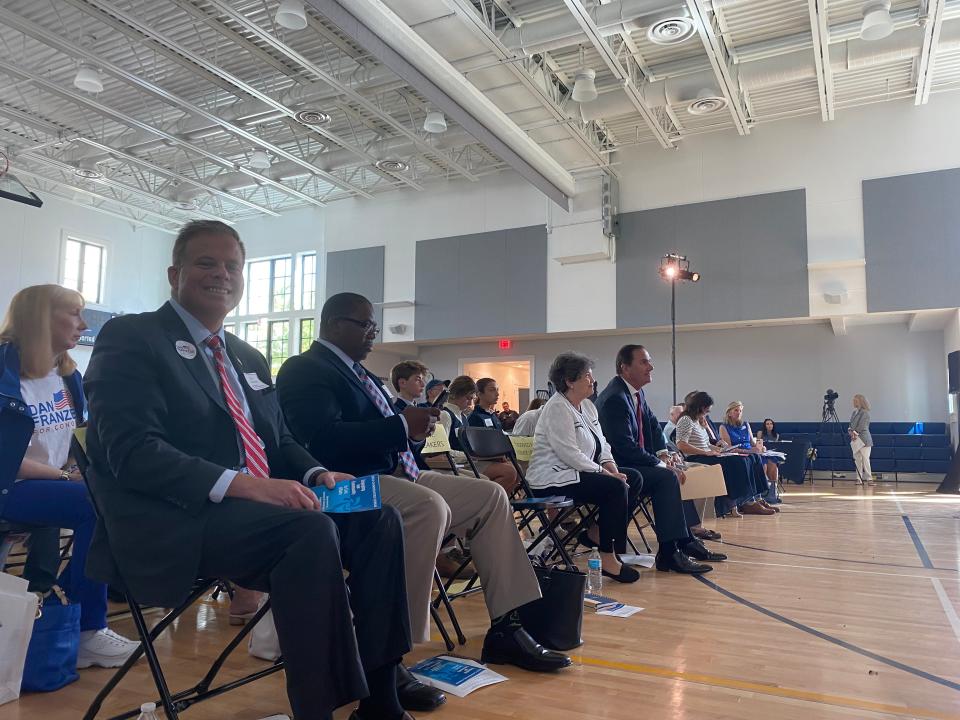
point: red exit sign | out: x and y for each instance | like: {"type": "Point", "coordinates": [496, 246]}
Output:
{"type": "Point", "coordinates": [506, 343]}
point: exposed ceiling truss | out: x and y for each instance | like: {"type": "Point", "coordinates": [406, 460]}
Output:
{"type": "Point", "coordinates": [193, 88]}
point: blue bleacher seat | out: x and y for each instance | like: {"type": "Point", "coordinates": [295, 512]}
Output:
{"type": "Point", "coordinates": [883, 428]}
{"type": "Point", "coordinates": [881, 453]}
{"type": "Point", "coordinates": [844, 465]}
{"type": "Point", "coordinates": [940, 467]}
{"type": "Point", "coordinates": [882, 465]}
{"type": "Point", "coordinates": [935, 453]}
{"type": "Point", "coordinates": [883, 440]}
{"type": "Point", "coordinates": [906, 453]}
{"type": "Point", "coordinates": [935, 441]}
{"type": "Point", "coordinates": [934, 428]}
{"type": "Point", "coordinates": [907, 440]}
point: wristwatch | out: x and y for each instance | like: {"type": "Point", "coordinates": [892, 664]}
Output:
{"type": "Point", "coordinates": [312, 480]}
{"type": "Point", "coordinates": [64, 475]}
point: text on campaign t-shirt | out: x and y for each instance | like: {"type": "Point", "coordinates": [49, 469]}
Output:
{"type": "Point", "coordinates": [53, 419]}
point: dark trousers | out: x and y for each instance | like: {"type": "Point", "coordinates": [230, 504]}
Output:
{"type": "Point", "coordinates": [298, 556]}
{"type": "Point", "coordinates": [690, 513]}
{"type": "Point", "coordinates": [614, 499]}
{"type": "Point", "coordinates": [43, 559]}
{"type": "Point", "coordinates": [661, 485]}
{"type": "Point", "coordinates": [741, 485]}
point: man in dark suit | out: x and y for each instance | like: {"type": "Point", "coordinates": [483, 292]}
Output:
{"type": "Point", "coordinates": [636, 439]}
{"type": "Point", "coordinates": [196, 475]}
{"type": "Point", "coordinates": [346, 417]}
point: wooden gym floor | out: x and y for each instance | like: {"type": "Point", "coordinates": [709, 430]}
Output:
{"type": "Point", "coordinates": [843, 606]}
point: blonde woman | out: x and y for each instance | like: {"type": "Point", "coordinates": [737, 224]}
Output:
{"type": "Point", "coordinates": [41, 403]}
{"type": "Point", "coordinates": [735, 432]}
{"type": "Point", "coordinates": [861, 442]}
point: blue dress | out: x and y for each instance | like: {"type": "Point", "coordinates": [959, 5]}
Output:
{"type": "Point", "coordinates": [740, 438]}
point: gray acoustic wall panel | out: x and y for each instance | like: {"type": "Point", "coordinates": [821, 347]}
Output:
{"type": "Point", "coordinates": [750, 251]}
{"type": "Point", "coordinates": [481, 285]}
{"type": "Point", "coordinates": [911, 234]}
{"type": "Point", "coordinates": [359, 271]}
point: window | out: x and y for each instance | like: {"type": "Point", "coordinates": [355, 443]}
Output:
{"type": "Point", "coordinates": [308, 281]}
{"type": "Point", "coordinates": [276, 315]}
{"type": "Point", "coordinates": [306, 333]}
{"type": "Point", "coordinates": [83, 268]}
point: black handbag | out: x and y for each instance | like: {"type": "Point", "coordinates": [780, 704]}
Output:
{"type": "Point", "coordinates": [556, 619]}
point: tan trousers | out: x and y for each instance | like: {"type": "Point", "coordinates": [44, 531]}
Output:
{"type": "Point", "coordinates": [478, 511]}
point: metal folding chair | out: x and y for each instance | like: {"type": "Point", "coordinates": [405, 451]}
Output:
{"type": "Point", "coordinates": [173, 703]}
{"type": "Point", "coordinates": [481, 442]}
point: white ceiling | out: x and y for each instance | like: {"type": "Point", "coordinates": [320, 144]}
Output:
{"type": "Point", "coordinates": [193, 87]}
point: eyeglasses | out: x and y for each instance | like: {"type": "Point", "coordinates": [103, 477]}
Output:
{"type": "Point", "coordinates": [369, 327]}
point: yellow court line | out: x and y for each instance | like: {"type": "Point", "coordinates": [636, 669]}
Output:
{"type": "Point", "coordinates": [763, 689]}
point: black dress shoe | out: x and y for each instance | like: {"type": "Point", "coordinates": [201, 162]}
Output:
{"type": "Point", "coordinates": [698, 551]}
{"type": "Point", "coordinates": [704, 534]}
{"type": "Point", "coordinates": [677, 561]}
{"type": "Point", "coordinates": [415, 695]}
{"type": "Point", "coordinates": [513, 645]}
{"type": "Point", "coordinates": [627, 574]}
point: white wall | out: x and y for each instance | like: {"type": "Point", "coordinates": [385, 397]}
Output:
{"type": "Point", "coordinates": [781, 372]}
{"type": "Point", "coordinates": [31, 245]}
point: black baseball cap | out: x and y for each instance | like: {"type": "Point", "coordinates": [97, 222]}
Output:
{"type": "Point", "coordinates": [433, 383]}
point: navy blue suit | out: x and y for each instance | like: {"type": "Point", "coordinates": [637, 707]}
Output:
{"type": "Point", "coordinates": [329, 411]}
{"type": "Point", "coordinates": [619, 421]}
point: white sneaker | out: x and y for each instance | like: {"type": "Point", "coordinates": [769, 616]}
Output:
{"type": "Point", "coordinates": [104, 648]}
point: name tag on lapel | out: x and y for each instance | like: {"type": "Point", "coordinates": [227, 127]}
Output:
{"type": "Point", "coordinates": [386, 391]}
{"type": "Point", "coordinates": [488, 422]}
{"type": "Point", "coordinates": [255, 382]}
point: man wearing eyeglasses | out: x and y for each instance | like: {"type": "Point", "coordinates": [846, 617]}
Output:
{"type": "Point", "coordinates": [346, 417]}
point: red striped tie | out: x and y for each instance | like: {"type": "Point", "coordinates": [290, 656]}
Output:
{"type": "Point", "coordinates": [256, 458]}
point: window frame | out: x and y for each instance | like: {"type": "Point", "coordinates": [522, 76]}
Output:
{"type": "Point", "coordinates": [294, 315]}
{"type": "Point", "coordinates": [67, 236]}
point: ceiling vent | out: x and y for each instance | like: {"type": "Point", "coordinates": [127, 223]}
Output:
{"type": "Point", "coordinates": [671, 30]}
{"type": "Point", "coordinates": [88, 170]}
{"type": "Point", "coordinates": [392, 166]}
{"type": "Point", "coordinates": [312, 117]}
{"type": "Point", "coordinates": [706, 103]}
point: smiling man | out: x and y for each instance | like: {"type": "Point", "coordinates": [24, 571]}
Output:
{"type": "Point", "coordinates": [196, 475]}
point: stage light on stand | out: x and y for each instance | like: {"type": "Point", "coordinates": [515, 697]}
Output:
{"type": "Point", "coordinates": [675, 268]}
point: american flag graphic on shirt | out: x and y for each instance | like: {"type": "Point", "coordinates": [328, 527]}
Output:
{"type": "Point", "coordinates": [61, 401]}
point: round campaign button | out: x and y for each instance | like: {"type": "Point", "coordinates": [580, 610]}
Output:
{"type": "Point", "coordinates": [186, 350]}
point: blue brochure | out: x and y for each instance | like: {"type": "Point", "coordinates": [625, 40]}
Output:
{"type": "Point", "coordinates": [446, 671]}
{"type": "Point", "coordinates": [349, 496]}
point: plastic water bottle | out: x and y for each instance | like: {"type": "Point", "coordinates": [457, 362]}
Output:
{"type": "Point", "coordinates": [148, 711]}
{"type": "Point", "coordinates": [594, 573]}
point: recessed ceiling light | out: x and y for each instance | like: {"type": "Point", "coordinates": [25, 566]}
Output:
{"type": "Point", "coordinates": [671, 29]}
{"type": "Point", "coordinates": [291, 15]}
{"type": "Point", "coordinates": [312, 117]}
{"type": "Point", "coordinates": [88, 79]}
{"type": "Point", "coordinates": [392, 166]}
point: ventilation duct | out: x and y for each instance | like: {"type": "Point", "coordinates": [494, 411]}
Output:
{"type": "Point", "coordinates": [564, 30]}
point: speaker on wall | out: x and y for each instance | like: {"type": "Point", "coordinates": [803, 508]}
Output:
{"type": "Point", "coordinates": [953, 371]}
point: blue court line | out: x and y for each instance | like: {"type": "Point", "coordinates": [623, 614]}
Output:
{"type": "Point", "coordinates": [830, 638]}
{"type": "Point", "coordinates": [921, 550]}
{"type": "Point", "coordinates": [843, 560]}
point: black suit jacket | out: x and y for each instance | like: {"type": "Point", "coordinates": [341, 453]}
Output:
{"type": "Point", "coordinates": [329, 411]}
{"type": "Point", "coordinates": [160, 436]}
{"type": "Point", "coordinates": [615, 406]}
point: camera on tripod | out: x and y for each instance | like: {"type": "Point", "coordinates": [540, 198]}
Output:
{"type": "Point", "coordinates": [830, 397]}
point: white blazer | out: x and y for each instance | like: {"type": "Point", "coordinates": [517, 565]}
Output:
{"type": "Point", "coordinates": [565, 442]}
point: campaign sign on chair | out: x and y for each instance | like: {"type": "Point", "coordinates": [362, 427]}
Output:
{"type": "Point", "coordinates": [437, 442]}
{"type": "Point", "coordinates": [522, 446]}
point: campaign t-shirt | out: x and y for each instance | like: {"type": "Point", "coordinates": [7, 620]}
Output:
{"type": "Point", "coordinates": [53, 419]}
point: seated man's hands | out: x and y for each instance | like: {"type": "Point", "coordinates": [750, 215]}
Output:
{"type": "Point", "coordinates": [330, 478]}
{"type": "Point", "coordinates": [273, 491]}
{"type": "Point", "coordinates": [420, 421]}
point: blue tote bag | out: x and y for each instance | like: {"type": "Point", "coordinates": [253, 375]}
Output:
{"type": "Point", "coordinates": [52, 654]}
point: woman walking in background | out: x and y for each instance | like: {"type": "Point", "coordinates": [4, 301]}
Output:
{"type": "Point", "coordinates": [861, 442]}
